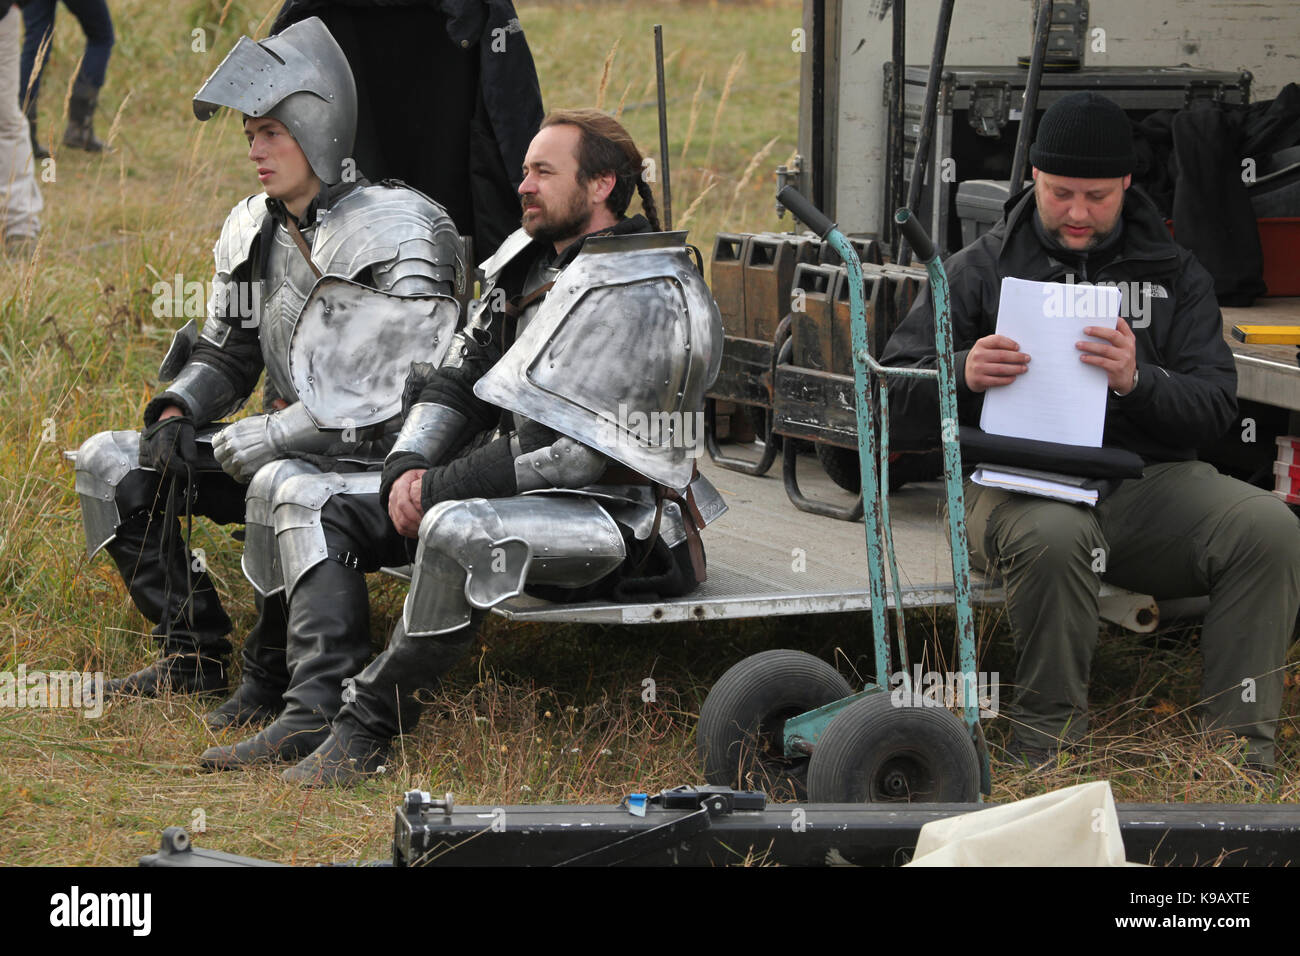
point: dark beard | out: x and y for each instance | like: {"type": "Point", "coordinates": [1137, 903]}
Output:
{"type": "Point", "coordinates": [568, 228]}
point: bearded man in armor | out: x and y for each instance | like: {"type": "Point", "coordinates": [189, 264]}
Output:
{"type": "Point", "coordinates": [515, 467]}
{"type": "Point", "coordinates": [317, 216]}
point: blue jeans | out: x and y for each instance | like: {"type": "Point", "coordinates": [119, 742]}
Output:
{"type": "Point", "coordinates": [38, 21]}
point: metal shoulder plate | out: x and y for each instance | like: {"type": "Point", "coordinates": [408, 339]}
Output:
{"type": "Point", "coordinates": [235, 244]}
{"type": "Point", "coordinates": [619, 355]}
{"type": "Point", "coordinates": [383, 226]}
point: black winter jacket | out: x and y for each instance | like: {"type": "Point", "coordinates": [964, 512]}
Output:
{"type": "Point", "coordinates": [1187, 381]}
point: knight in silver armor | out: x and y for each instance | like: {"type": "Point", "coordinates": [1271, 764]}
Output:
{"type": "Point", "coordinates": [294, 267]}
{"type": "Point", "coordinates": [546, 451]}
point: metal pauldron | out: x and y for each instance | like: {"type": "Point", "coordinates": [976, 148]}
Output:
{"type": "Point", "coordinates": [622, 296]}
{"type": "Point", "coordinates": [235, 244]}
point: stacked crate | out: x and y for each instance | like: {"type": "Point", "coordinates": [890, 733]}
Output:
{"type": "Point", "coordinates": [1286, 470]}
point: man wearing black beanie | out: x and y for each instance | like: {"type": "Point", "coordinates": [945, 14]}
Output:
{"type": "Point", "coordinates": [1182, 529]}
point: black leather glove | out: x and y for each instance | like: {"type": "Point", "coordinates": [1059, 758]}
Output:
{"type": "Point", "coordinates": [168, 445]}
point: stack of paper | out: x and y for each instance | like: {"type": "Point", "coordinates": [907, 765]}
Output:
{"type": "Point", "coordinates": [1060, 398]}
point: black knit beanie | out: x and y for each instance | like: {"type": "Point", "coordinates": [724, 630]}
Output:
{"type": "Point", "coordinates": [1084, 136]}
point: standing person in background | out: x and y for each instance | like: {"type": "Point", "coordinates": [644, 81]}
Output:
{"type": "Point", "coordinates": [20, 198]}
{"type": "Point", "coordinates": [468, 64]}
{"type": "Point", "coordinates": [38, 18]}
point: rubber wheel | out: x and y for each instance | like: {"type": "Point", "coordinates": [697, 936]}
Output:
{"type": "Point", "coordinates": [891, 749]}
{"type": "Point", "coordinates": [740, 740]}
{"type": "Point", "coordinates": [842, 465]}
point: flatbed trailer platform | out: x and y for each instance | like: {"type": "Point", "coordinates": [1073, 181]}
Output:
{"type": "Point", "coordinates": [765, 558]}
{"type": "Point", "coordinates": [1266, 373]}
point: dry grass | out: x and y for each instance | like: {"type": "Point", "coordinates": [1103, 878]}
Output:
{"type": "Point", "coordinates": [78, 348]}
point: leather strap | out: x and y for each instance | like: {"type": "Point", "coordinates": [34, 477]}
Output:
{"type": "Point", "coordinates": [517, 305]}
{"type": "Point", "coordinates": [692, 522]}
{"type": "Point", "coordinates": [301, 244]}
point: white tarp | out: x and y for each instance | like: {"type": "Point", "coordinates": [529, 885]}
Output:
{"type": "Point", "coordinates": [1076, 826]}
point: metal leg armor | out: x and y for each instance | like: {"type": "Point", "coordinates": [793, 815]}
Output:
{"type": "Point", "coordinates": [261, 560]}
{"type": "Point", "coordinates": [472, 554]}
{"type": "Point", "coordinates": [297, 505]}
{"type": "Point", "coordinates": [478, 553]}
{"type": "Point", "coordinates": [327, 544]}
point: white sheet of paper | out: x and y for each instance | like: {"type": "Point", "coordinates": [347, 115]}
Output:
{"type": "Point", "coordinates": [1060, 398]}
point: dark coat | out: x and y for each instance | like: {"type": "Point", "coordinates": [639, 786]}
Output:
{"type": "Point", "coordinates": [1187, 381]}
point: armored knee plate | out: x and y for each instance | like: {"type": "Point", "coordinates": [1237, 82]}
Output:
{"type": "Point", "coordinates": [296, 506]}
{"type": "Point", "coordinates": [103, 461]}
{"type": "Point", "coordinates": [261, 560]}
{"type": "Point", "coordinates": [478, 553]}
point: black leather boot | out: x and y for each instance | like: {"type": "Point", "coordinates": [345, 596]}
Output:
{"type": "Point", "coordinates": [173, 674]}
{"type": "Point", "coordinates": [347, 757]}
{"type": "Point", "coordinates": [386, 703]}
{"type": "Point", "coordinates": [328, 641]}
{"type": "Point", "coordinates": [80, 133]}
{"type": "Point", "coordinates": [265, 674]}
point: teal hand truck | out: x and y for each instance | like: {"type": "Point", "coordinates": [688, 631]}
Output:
{"type": "Point", "coordinates": [786, 722]}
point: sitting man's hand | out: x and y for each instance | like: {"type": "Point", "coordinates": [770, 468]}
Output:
{"type": "Point", "coordinates": [994, 360]}
{"type": "Point", "coordinates": [404, 506]}
{"type": "Point", "coordinates": [168, 444]}
{"type": "Point", "coordinates": [1116, 353]}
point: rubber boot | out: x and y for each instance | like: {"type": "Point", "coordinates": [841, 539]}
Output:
{"type": "Point", "coordinates": [386, 704]}
{"type": "Point", "coordinates": [190, 622]}
{"type": "Point", "coordinates": [265, 674]}
{"type": "Point", "coordinates": [80, 133]}
{"type": "Point", "coordinates": [329, 640]}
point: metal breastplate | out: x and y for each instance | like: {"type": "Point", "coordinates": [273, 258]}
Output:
{"type": "Point", "coordinates": [285, 286]}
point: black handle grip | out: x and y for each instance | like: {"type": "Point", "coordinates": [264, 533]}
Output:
{"type": "Point", "coordinates": [915, 234]}
{"type": "Point", "coordinates": [806, 212]}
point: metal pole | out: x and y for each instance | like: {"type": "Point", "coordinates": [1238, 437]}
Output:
{"type": "Point", "coordinates": [663, 129]}
{"type": "Point", "coordinates": [931, 108]}
{"type": "Point", "coordinates": [1041, 27]}
{"type": "Point", "coordinates": [897, 116]}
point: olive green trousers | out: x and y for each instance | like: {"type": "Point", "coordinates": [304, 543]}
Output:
{"type": "Point", "coordinates": [1182, 530]}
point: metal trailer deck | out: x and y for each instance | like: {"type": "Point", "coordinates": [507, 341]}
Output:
{"type": "Point", "coordinates": [1266, 373]}
{"type": "Point", "coordinates": [767, 558]}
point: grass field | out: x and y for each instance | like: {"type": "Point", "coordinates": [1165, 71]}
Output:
{"type": "Point", "coordinates": [536, 714]}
